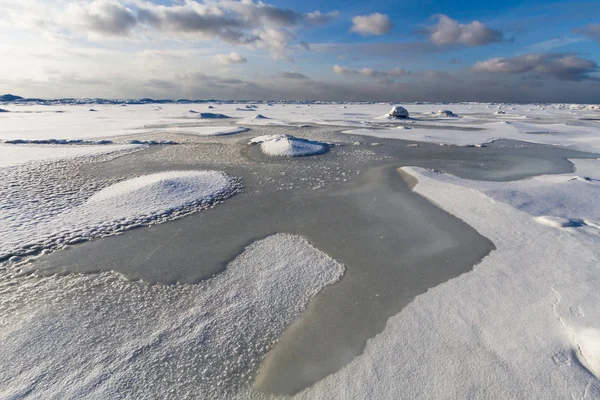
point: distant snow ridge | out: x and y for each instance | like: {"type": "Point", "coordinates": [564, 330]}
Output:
{"type": "Point", "coordinates": [289, 146]}
{"type": "Point", "coordinates": [140, 201]}
{"type": "Point", "coordinates": [58, 141]}
{"type": "Point", "coordinates": [205, 115]}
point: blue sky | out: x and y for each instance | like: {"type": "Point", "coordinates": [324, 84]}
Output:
{"type": "Point", "coordinates": [312, 50]}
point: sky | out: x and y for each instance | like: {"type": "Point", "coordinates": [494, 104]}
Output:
{"type": "Point", "coordinates": [510, 51]}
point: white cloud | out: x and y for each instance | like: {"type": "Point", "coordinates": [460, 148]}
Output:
{"type": "Point", "coordinates": [231, 58]}
{"type": "Point", "coordinates": [448, 31]}
{"type": "Point", "coordinates": [373, 24]}
{"type": "Point", "coordinates": [101, 17]}
{"type": "Point", "coordinates": [248, 22]}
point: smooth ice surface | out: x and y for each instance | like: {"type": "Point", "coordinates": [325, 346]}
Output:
{"type": "Point", "coordinates": [99, 336]}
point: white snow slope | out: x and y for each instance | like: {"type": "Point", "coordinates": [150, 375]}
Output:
{"type": "Point", "coordinates": [101, 337]}
{"type": "Point", "coordinates": [525, 323]}
{"type": "Point", "coordinates": [53, 222]}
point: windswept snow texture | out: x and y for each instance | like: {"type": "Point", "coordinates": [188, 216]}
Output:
{"type": "Point", "coordinates": [11, 155]}
{"type": "Point", "coordinates": [576, 137]}
{"type": "Point", "coordinates": [69, 217]}
{"type": "Point", "coordinates": [101, 337]}
{"type": "Point", "coordinates": [525, 323]}
{"type": "Point", "coordinates": [289, 146]}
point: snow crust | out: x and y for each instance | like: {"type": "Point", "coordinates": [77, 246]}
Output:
{"type": "Point", "coordinates": [576, 137]}
{"type": "Point", "coordinates": [555, 124]}
{"type": "Point", "coordinates": [289, 146]}
{"type": "Point", "coordinates": [11, 155]}
{"type": "Point", "coordinates": [131, 203]}
{"type": "Point", "coordinates": [523, 324]}
{"type": "Point", "coordinates": [99, 336]}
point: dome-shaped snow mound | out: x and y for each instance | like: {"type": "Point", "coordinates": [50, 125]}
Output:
{"type": "Point", "coordinates": [161, 193]}
{"type": "Point", "coordinates": [398, 112]}
{"type": "Point", "coordinates": [446, 113]}
{"type": "Point", "coordinates": [259, 116]}
{"type": "Point", "coordinates": [289, 146]}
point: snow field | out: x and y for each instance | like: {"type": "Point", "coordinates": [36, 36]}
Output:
{"type": "Point", "coordinates": [127, 339]}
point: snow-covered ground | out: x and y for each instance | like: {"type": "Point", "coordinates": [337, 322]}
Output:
{"type": "Point", "coordinates": [523, 324]}
{"type": "Point", "coordinates": [11, 155]}
{"type": "Point", "coordinates": [100, 336]}
{"type": "Point", "coordinates": [556, 124]}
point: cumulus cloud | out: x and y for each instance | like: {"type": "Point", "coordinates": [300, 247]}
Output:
{"type": "Point", "coordinates": [561, 66]}
{"type": "Point", "coordinates": [292, 75]}
{"type": "Point", "coordinates": [102, 17]}
{"type": "Point", "coordinates": [231, 58]}
{"type": "Point", "coordinates": [448, 31]}
{"type": "Point", "coordinates": [373, 24]}
{"type": "Point", "coordinates": [236, 22]}
{"type": "Point", "coordinates": [591, 31]}
{"type": "Point", "coordinates": [370, 72]}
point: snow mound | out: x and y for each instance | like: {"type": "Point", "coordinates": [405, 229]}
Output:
{"type": "Point", "coordinates": [559, 222]}
{"type": "Point", "coordinates": [398, 112]}
{"type": "Point", "coordinates": [93, 110]}
{"type": "Point", "coordinates": [135, 202]}
{"type": "Point", "coordinates": [446, 113]}
{"type": "Point", "coordinates": [289, 146]}
{"type": "Point", "coordinates": [2, 110]}
{"type": "Point", "coordinates": [151, 194]}
{"type": "Point", "coordinates": [260, 116]}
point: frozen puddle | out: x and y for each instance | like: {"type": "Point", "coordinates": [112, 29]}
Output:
{"type": "Point", "coordinates": [139, 201]}
{"type": "Point", "coordinates": [203, 341]}
{"type": "Point", "coordinates": [404, 246]}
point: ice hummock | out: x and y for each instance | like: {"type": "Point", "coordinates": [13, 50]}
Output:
{"type": "Point", "coordinates": [398, 112]}
{"type": "Point", "coordinates": [289, 146]}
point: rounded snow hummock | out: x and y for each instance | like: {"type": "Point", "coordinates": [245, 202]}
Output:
{"type": "Point", "coordinates": [289, 146]}
{"type": "Point", "coordinates": [398, 112]}
{"type": "Point", "coordinates": [446, 113]}
{"type": "Point", "coordinates": [160, 193]}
